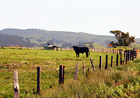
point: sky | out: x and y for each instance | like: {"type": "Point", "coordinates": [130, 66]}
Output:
{"type": "Point", "coordinates": [90, 16]}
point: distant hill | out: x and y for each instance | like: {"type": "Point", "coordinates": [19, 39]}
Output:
{"type": "Point", "coordinates": [138, 40]}
{"type": "Point", "coordinates": [62, 38]}
{"type": "Point", "coordinates": [94, 45]}
{"type": "Point", "coordinates": [135, 45]}
{"type": "Point", "coordinates": [6, 40]}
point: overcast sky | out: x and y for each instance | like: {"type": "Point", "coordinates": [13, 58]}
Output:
{"type": "Point", "coordinates": [90, 16]}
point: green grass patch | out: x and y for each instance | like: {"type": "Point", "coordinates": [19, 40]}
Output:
{"type": "Point", "coordinates": [122, 81]}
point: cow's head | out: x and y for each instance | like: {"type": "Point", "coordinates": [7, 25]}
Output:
{"type": "Point", "coordinates": [74, 47]}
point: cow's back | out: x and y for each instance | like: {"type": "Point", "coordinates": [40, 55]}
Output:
{"type": "Point", "coordinates": [80, 49]}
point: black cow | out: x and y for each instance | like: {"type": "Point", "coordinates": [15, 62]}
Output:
{"type": "Point", "coordinates": [81, 50]}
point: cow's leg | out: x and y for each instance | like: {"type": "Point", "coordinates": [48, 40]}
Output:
{"type": "Point", "coordinates": [86, 54]}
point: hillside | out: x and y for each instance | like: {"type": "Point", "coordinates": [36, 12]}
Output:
{"type": "Point", "coordinates": [94, 45]}
{"type": "Point", "coordinates": [135, 45]}
{"type": "Point", "coordinates": [61, 38]}
{"type": "Point", "coordinates": [138, 40]}
{"type": "Point", "coordinates": [14, 40]}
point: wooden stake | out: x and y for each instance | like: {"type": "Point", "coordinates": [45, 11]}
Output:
{"type": "Point", "coordinates": [76, 72]}
{"type": "Point", "coordinates": [61, 74]}
{"type": "Point", "coordinates": [92, 64]}
{"type": "Point", "coordinates": [124, 57]}
{"type": "Point", "coordinates": [120, 59]}
{"type": "Point", "coordinates": [38, 80]}
{"type": "Point", "coordinates": [117, 58]}
{"type": "Point", "coordinates": [128, 56]}
{"type": "Point", "coordinates": [111, 61]}
{"type": "Point", "coordinates": [16, 85]}
{"type": "Point", "coordinates": [100, 63]}
{"type": "Point", "coordinates": [84, 69]}
{"type": "Point", "coordinates": [106, 62]}
{"type": "Point", "coordinates": [133, 55]}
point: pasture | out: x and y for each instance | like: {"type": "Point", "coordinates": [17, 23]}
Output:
{"type": "Point", "coordinates": [121, 81]}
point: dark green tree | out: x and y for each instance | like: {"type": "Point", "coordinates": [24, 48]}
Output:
{"type": "Point", "coordinates": [123, 38]}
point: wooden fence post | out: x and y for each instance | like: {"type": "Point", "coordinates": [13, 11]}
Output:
{"type": "Point", "coordinates": [117, 58]}
{"type": "Point", "coordinates": [100, 63]}
{"type": "Point", "coordinates": [76, 72]}
{"type": "Point", "coordinates": [128, 55]}
{"type": "Point", "coordinates": [111, 61]}
{"type": "Point", "coordinates": [106, 62]}
{"type": "Point", "coordinates": [61, 74]}
{"type": "Point", "coordinates": [120, 59]}
{"type": "Point", "coordinates": [16, 85]}
{"type": "Point", "coordinates": [84, 69]}
{"type": "Point", "coordinates": [38, 80]}
{"type": "Point", "coordinates": [124, 57]}
{"type": "Point", "coordinates": [92, 64]}
{"type": "Point", "coordinates": [120, 52]}
{"type": "Point", "coordinates": [133, 54]}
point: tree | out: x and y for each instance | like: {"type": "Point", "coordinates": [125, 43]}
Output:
{"type": "Point", "coordinates": [123, 38]}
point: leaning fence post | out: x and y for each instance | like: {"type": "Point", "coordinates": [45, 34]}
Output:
{"type": "Point", "coordinates": [117, 59]}
{"type": "Point", "coordinates": [84, 69]}
{"type": "Point", "coordinates": [111, 61]}
{"type": "Point", "coordinates": [76, 72]}
{"type": "Point", "coordinates": [38, 79]}
{"type": "Point", "coordinates": [16, 85]}
{"type": "Point", "coordinates": [92, 64]}
{"type": "Point", "coordinates": [106, 62]}
{"type": "Point", "coordinates": [100, 63]}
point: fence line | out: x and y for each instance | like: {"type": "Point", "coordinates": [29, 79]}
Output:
{"type": "Point", "coordinates": [100, 50]}
{"type": "Point", "coordinates": [128, 56]}
{"type": "Point", "coordinates": [106, 50]}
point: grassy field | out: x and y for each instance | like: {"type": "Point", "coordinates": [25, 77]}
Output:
{"type": "Point", "coordinates": [122, 81]}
